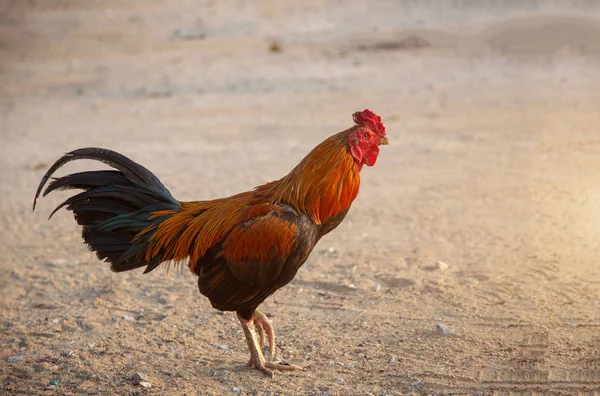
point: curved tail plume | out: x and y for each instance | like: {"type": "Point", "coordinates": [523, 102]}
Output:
{"type": "Point", "coordinates": [115, 205]}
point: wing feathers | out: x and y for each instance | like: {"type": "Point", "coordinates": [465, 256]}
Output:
{"type": "Point", "coordinates": [256, 252]}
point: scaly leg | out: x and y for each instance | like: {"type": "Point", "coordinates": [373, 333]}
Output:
{"type": "Point", "coordinates": [263, 325]}
{"type": "Point", "coordinates": [257, 360]}
{"type": "Point", "coordinates": [261, 333]}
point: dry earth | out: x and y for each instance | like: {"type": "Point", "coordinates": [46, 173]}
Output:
{"type": "Point", "coordinates": [494, 169]}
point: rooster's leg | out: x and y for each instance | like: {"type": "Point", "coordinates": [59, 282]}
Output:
{"type": "Point", "coordinates": [257, 359]}
{"type": "Point", "coordinates": [264, 326]}
{"type": "Point", "coordinates": [261, 332]}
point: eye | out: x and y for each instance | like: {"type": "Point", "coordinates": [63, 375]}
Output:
{"type": "Point", "coordinates": [365, 135]}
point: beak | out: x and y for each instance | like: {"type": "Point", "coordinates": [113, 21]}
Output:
{"type": "Point", "coordinates": [385, 141]}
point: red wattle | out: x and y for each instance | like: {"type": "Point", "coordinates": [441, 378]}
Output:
{"type": "Point", "coordinates": [371, 156]}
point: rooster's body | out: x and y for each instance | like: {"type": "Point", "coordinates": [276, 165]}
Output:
{"type": "Point", "coordinates": [242, 248]}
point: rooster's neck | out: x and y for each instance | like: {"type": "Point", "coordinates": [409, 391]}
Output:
{"type": "Point", "coordinates": [323, 184]}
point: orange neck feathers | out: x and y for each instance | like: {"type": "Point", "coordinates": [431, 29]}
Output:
{"type": "Point", "coordinates": [323, 184]}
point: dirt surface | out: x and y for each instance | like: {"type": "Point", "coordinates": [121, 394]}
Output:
{"type": "Point", "coordinates": [494, 170]}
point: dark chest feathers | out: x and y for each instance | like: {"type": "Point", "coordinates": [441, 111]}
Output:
{"type": "Point", "coordinates": [228, 291]}
{"type": "Point", "coordinates": [330, 224]}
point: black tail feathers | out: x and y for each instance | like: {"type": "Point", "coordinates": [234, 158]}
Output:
{"type": "Point", "coordinates": [115, 205]}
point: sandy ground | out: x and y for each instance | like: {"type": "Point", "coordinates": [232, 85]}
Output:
{"type": "Point", "coordinates": [494, 169]}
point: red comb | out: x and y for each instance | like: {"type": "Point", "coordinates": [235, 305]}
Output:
{"type": "Point", "coordinates": [370, 119]}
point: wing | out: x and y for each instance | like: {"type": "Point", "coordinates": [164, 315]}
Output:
{"type": "Point", "coordinates": [256, 251]}
{"type": "Point", "coordinates": [256, 258]}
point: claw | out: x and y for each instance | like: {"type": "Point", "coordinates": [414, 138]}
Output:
{"type": "Point", "coordinates": [272, 368]}
{"type": "Point", "coordinates": [282, 366]}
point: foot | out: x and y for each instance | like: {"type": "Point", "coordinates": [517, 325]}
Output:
{"type": "Point", "coordinates": [257, 360]}
{"type": "Point", "coordinates": [270, 368]}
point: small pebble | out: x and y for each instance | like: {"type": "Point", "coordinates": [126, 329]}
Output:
{"type": "Point", "coordinates": [191, 34]}
{"type": "Point", "coordinates": [442, 266]}
{"type": "Point", "coordinates": [61, 262]}
{"type": "Point", "coordinates": [50, 387]}
{"type": "Point", "coordinates": [145, 384]}
{"type": "Point", "coordinates": [139, 377]}
{"type": "Point", "coordinates": [223, 347]}
{"type": "Point", "coordinates": [416, 386]}
{"type": "Point", "coordinates": [67, 352]}
{"type": "Point", "coordinates": [352, 286]}
{"type": "Point", "coordinates": [14, 358]}
{"type": "Point", "coordinates": [276, 46]}
{"type": "Point", "coordinates": [235, 389]}
{"type": "Point", "coordinates": [128, 317]}
{"type": "Point", "coordinates": [442, 329]}
{"type": "Point", "coordinates": [331, 251]}
{"type": "Point", "coordinates": [53, 382]}
{"type": "Point", "coordinates": [376, 288]}
{"type": "Point", "coordinates": [340, 380]}
{"type": "Point", "coordinates": [38, 166]}
{"type": "Point", "coordinates": [392, 360]}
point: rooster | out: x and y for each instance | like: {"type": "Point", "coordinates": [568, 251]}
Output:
{"type": "Point", "coordinates": [242, 248]}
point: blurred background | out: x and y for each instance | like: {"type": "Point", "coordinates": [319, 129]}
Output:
{"type": "Point", "coordinates": [483, 216]}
